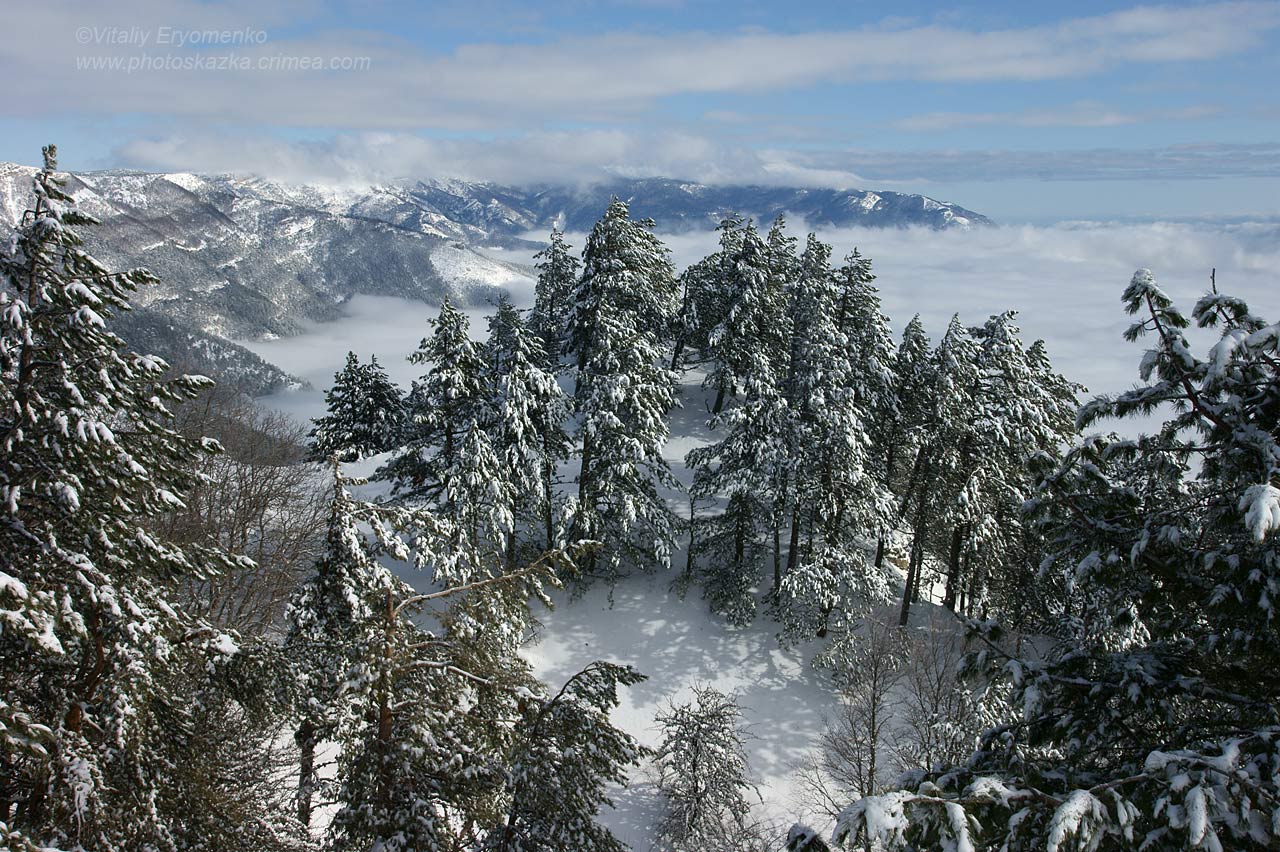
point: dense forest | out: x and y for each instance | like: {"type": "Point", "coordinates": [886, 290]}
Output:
{"type": "Point", "coordinates": [213, 637]}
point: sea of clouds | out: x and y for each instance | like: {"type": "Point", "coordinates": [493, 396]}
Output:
{"type": "Point", "coordinates": [1064, 280]}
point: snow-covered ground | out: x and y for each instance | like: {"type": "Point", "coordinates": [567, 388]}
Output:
{"type": "Point", "coordinates": [678, 643]}
{"type": "Point", "coordinates": [1065, 282]}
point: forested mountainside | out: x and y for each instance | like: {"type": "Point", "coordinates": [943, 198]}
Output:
{"type": "Point", "coordinates": [243, 257]}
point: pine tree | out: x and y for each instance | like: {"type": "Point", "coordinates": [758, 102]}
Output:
{"type": "Point", "coordinates": [729, 549]}
{"type": "Point", "coordinates": [88, 461]}
{"type": "Point", "coordinates": [421, 717]}
{"type": "Point", "coordinates": [565, 753]}
{"type": "Point", "coordinates": [1152, 722]}
{"type": "Point", "coordinates": [365, 413]}
{"type": "Point", "coordinates": [945, 450]}
{"type": "Point", "coordinates": [557, 274]}
{"type": "Point", "coordinates": [834, 498]}
{"type": "Point", "coordinates": [622, 309]}
{"type": "Point", "coordinates": [702, 768]}
{"type": "Point", "coordinates": [748, 333]}
{"type": "Point", "coordinates": [529, 415]}
{"type": "Point", "coordinates": [440, 407]}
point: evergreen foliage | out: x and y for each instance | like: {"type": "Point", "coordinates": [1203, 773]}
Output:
{"type": "Point", "coordinates": [622, 310]}
{"type": "Point", "coordinates": [365, 413]}
{"type": "Point", "coordinates": [1152, 722]}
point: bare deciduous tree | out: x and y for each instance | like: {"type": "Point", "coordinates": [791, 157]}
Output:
{"type": "Point", "coordinates": [258, 499]}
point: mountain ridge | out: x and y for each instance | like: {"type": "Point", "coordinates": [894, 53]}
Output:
{"type": "Point", "coordinates": [246, 257]}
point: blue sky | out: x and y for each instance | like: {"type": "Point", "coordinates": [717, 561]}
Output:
{"type": "Point", "coordinates": [1026, 111]}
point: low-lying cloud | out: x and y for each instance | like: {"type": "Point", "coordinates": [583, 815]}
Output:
{"type": "Point", "coordinates": [1065, 281]}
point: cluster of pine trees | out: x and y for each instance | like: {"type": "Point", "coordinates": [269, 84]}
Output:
{"type": "Point", "coordinates": [131, 720]}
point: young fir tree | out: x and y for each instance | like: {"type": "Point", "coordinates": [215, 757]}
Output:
{"type": "Point", "coordinates": [365, 413]}
{"type": "Point", "coordinates": [702, 774]}
{"type": "Point", "coordinates": [1152, 722]}
{"type": "Point", "coordinates": [622, 308]}
{"type": "Point", "coordinates": [88, 461]}
{"type": "Point", "coordinates": [440, 407]}
{"type": "Point", "coordinates": [557, 274]}
{"type": "Point", "coordinates": [529, 415]}
{"type": "Point", "coordinates": [566, 752]}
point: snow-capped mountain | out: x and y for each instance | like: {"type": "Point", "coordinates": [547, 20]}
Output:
{"type": "Point", "coordinates": [246, 257]}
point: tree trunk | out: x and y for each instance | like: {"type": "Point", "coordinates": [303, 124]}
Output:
{"type": "Point", "coordinates": [904, 614]}
{"type": "Point", "coordinates": [914, 566]}
{"type": "Point", "coordinates": [548, 488]}
{"type": "Point", "coordinates": [385, 780]}
{"type": "Point", "coordinates": [779, 510]}
{"type": "Point", "coordinates": [953, 568]}
{"type": "Point", "coordinates": [720, 392]}
{"type": "Point", "coordinates": [880, 552]}
{"type": "Point", "coordinates": [793, 550]}
{"type": "Point", "coordinates": [306, 740]}
{"type": "Point", "coordinates": [689, 559]}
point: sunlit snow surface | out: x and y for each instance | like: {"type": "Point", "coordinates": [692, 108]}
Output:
{"type": "Point", "coordinates": [1065, 281]}
{"type": "Point", "coordinates": [678, 643]}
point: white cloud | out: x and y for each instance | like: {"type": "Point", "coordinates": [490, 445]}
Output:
{"type": "Point", "coordinates": [583, 156]}
{"type": "Point", "coordinates": [1065, 281]}
{"type": "Point", "coordinates": [1074, 115]}
{"type": "Point", "coordinates": [591, 155]}
{"type": "Point", "coordinates": [604, 77]}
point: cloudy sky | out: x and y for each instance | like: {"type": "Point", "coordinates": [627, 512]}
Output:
{"type": "Point", "coordinates": [1025, 111]}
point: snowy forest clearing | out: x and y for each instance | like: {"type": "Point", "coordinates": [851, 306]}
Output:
{"type": "Point", "coordinates": [679, 643]}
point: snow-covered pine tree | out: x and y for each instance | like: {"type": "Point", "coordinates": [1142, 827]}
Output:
{"type": "Point", "coordinates": [944, 451]}
{"type": "Point", "coordinates": [749, 330]}
{"type": "Point", "coordinates": [440, 406]}
{"type": "Point", "coordinates": [704, 293]}
{"type": "Point", "coordinates": [566, 753]}
{"type": "Point", "coordinates": [622, 308]}
{"type": "Point", "coordinates": [702, 775]}
{"type": "Point", "coordinates": [729, 548]}
{"type": "Point", "coordinates": [873, 357]}
{"type": "Point", "coordinates": [835, 499]}
{"type": "Point", "coordinates": [902, 435]}
{"type": "Point", "coordinates": [557, 274]}
{"type": "Point", "coordinates": [529, 415]}
{"type": "Point", "coordinates": [88, 460]}
{"type": "Point", "coordinates": [1152, 722]}
{"type": "Point", "coordinates": [421, 717]}
{"type": "Point", "coordinates": [1021, 410]}
{"type": "Point", "coordinates": [324, 621]}
{"type": "Point", "coordinates": [365, 413]}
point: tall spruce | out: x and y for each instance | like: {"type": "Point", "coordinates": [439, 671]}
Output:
{"type": "Point", "coordinates": [622, 310]}
{"type": "Point", "coordinates": [835, 498]}
{"type": "Point", "coordinates": [529, 416]}
{"type": "Point", "coordinates": [557, 275]}
{"type": "Point", "coordinates": [440, 406]}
